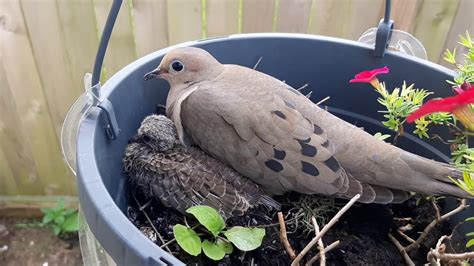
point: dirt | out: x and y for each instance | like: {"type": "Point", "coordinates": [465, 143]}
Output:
{"type": "Point", "coordinates": [24, 242]}
{"type": "Point", "coordinates": [362, 231]}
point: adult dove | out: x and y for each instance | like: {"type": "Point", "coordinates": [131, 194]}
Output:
{"type": "Point", "coordinates": [274, 135]}
{"type": "Point", "coordinates": [159, 167]}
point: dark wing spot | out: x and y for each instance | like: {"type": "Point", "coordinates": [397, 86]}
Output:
{"type": "Point", "coordinates": [309, 168]}
{"type": "Point", "coordinates": [279, 155]}
{"type": "Point", "coordinates": [289, 105]}
{"type": "Point", "coordinates": [332, 164]}
{"type": "Point", "coordinates": [318, 130]}
{"type": "Point", "coordinates": [325, 144]}
{"type": "Point", "coordinates": [280, 114]}
{"type": "Point", "coordinates": [307, 150]}
{"type": "Point", "coordinates": [274, 165]}
{"type": "Point", "coordinates": [303, 140]}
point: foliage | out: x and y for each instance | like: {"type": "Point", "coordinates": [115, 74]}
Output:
{"type": "Point", "coordinates": [401, 102]}
{"type": "Point", "coordinates": [62, 219]}
{"type": "Point", "coordinates": [381, 136]}
{"type": "Point", "coordinates": [213, 225]}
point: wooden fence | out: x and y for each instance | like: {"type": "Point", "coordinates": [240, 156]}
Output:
{"type": "Point", "coordinates": [46, 46]}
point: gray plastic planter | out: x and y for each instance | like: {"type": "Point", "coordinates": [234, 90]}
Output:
{"type": "Point", "coordinates": [326, 64]}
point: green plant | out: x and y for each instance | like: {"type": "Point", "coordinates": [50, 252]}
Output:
{"type": "Point", "coordinates": [62, 219]}
{"type": "Point", "coordinates": [218, 240]}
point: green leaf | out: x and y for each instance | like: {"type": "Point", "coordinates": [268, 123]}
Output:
{"type": "Point", "coordinates": [71, 224]}
{"type": "Point", "coordinates": [469, 219]}
{"type": "Point", "coordinates": [208, 217]}
{"type": "Point", "coordinates": [187, 239]}
{"type": "Point", "coordinates": [470, 243]}
{"type": "Point", "coordinates": [213, 250]}
{"type": "Point", "coordinates": [59, 219]}
{"type": "Point", "coordinates": [46, 210]}
{"type": "Point", "coordinates": [245, 239]}
{"type": "Point", "coordinates": [381, 136]}
{"type": "Point", "coordinates": [69, 211]}
{"type": "Point", "coordinates": [470, 234]}
{"type": "Point", "coordinates": [47, 218]}
{"type": "Point", "coordinates": [56, 230]}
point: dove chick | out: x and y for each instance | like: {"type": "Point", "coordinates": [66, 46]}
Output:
{"type": "Point", "coordinates": [271, 133]}
{"type": "Point", "coordinates": [181, 177]}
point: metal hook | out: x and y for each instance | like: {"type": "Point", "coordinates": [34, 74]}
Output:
{"type": "Point", "coordinates": [384, 31]}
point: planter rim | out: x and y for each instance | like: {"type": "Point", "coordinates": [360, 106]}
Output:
{"type": "Point", "coordinates": [93, 192]}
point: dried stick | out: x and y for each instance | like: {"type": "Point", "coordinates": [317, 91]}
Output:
{"type": "Point", "coordinates": [435, 256]}
{"type": "Point", "coordinates": [320, 242]}
{"type": "Point", "coordinates": [407, 238]}
{"type": "Point", "coordinates": [462, 206]}
{"type": "Point", "coordinates": [400, 248]}
{"type": "Point", "coordinates": [324, 230]}
{"type": "Point", "coordinates": [323, 100]}
{"type": "Point", "coordinates": [258, 62]}
{"type": "Point", "coordinates": [151, 223]}
{"type": "Point", "coordinates": [436, 208]}
{"type": "Point", "coordinates": [284, 237]}
{"type": "Point", "coordinates": [326, 250]}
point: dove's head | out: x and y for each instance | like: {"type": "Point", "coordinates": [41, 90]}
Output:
{"type": "Point", "coordinates": [186, 66]}
{"type": "Point", "coordinates": [158, 133]}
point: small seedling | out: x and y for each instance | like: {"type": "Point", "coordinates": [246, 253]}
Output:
{"type": "Point", "coordinates": [63, 220]}
{"type": "Point", "coordinates": [218, 240]}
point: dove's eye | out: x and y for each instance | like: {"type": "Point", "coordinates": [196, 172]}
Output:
{"type": "Point", "coordinates": [177, 66]}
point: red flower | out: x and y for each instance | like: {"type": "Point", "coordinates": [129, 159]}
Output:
{"type": "Point", "coordinates": [464, 87]}
{"type": "Point", "coordinates": [457, 105]}
{"type": "Point", "coordinates": [369, 75]}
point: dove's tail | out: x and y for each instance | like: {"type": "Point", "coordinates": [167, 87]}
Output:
{"type": "Point", "coordinates": [267, 201]}
{"type": "Point", "coordinates": [439, 174]}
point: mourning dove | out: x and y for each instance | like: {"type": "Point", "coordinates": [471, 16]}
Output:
{"type": "Point", "coordinates": [182, 177]}
{"type": "Point", "coordinates": [271, 133]}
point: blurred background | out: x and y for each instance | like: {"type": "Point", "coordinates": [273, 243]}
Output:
{"type": "Point", "coordinates": [46, 47]}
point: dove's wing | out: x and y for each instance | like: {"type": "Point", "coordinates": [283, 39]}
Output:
{"type": "Point", "coordinates": [181, 178]}
{"type": "Point", "coordinates": [261, 134]}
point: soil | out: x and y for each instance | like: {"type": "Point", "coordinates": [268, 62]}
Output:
{"type": "Point", "coordinates": [24, 242]}
{"type": "Point", "coordinates": [362, 231]}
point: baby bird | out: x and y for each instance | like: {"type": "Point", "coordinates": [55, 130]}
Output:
{"type": "Point", "coordinates": [160, 167]}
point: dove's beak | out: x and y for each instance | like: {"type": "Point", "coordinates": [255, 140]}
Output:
{"type": "Point", "coordinates": [156, 73]}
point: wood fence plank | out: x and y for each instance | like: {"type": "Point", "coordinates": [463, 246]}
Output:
{"type": "Point", "coordinates": [121, 50]}
{"type": "Point", "coordinates": [433, 23]}
{"type": "Point", "coordinates": [258, 15]}
{"type": "Point", "coordinates": [293, 15]}
{"type": "Point", "coordinates": [17, 168]}
{"type": "Point", "coordinates": [8, 184]}
{"type": "Point", "coordinates": [47, 40]}
{"type": "Point", "coordinates": [364, 14]}
{"type": "Point", "coordinates": [404, 14]}
{"type": "Point", "coordinates": [330, 17]}
{"type": "Point", "coordinates": [222, 17]}
{"type": "Point", "coordinates": [184, 20]}
{"type": "Point", "coordinates": [24, 81]}
{"type": "Point", "coordinates": [79, 27]}
{"type": "Point", "coordinates": [151, 25]}
{"type": "Point", "coordinates": [462, 21]}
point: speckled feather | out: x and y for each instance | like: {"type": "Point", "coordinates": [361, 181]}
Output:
{"type": "Point", "coordinates": [274, 135]}
{"type": "Point", "coordinates": [181, 177]}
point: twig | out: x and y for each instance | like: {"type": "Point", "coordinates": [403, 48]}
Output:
{"type": "Point", "coordinates": [258, 62]}
{"type": "Point", "coordinates": [151, 223]}
{"type": "Point", "coordinates": [435, 206]}
{"type": "Point", "coordinates": [406, 227]}
{"type": "Point", "coordinates": [462, 206]}
{"type": "Point", "coordinates": [326, 250]}
{"type": "Point", "coordinates": [323, 100]}
{"type": "Point", "coordinates": [284, 237]}
{"type": "Point", "coordinates": [302, 87]}
{"type": "Point", "coordinates": [324, 230]}
{"type": "Point", "coordinates": [320, 242]}
{"type": "Point", "coordinates": [144, 206]}
{"type": "Point", "coordinates": [400, 248]}
{"type": "Point", "coordinates": [435, 256]}
{"type": "Point", "coordinates": [407, 238]}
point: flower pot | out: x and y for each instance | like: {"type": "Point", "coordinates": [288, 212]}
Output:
{"type": "Point", "coordinates": [326, 64]}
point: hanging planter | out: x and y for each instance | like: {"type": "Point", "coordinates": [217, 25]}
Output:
{"type": "Point", "coordinates": [104, 119]}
